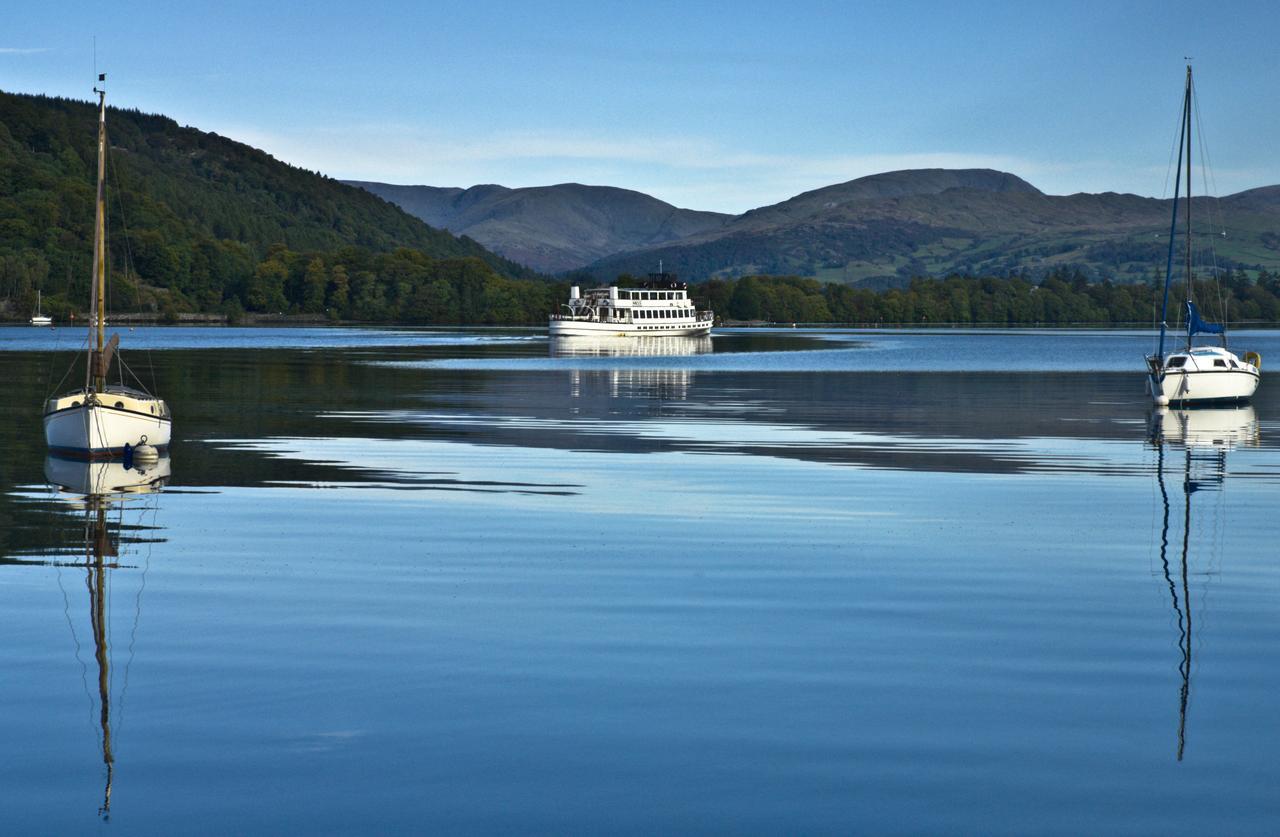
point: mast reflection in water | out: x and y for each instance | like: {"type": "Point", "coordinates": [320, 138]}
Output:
{"type": "Point", "coordinates": [105, 492]}
{"type": "Point", "coordinates": [1203, 437]}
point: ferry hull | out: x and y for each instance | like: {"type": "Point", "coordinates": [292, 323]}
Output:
{"type": "Point", "coordinates": [97, 431]}
{"type": "Point", "coordinates": [591, 328]}
{"type": "Point", "coordinates": [1204, 387]}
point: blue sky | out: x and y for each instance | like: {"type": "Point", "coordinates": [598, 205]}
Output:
{"type": "Point", "coordinates": [722, 106]}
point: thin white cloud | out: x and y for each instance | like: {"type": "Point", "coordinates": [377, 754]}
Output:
{"type": "Point", "coordinates": [22, 50]}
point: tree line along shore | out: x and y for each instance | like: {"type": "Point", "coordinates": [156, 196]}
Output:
{"type": "Point", "coordinates": [406, 286]}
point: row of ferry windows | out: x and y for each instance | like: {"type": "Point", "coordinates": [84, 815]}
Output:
{"type": "Point", "coordinates": [654, 314]}
{"type": "Point", "coordinates": [651, 295]}
{"type": "Point", "coordinates": [668, 313]}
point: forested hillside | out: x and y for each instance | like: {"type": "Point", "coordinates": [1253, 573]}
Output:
{"type": "Point", "coordinates": [199, 222]}
{"type": "Point", "coordinates": [1062, 298]}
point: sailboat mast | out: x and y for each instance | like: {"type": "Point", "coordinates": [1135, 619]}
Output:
{"type": "Point", "coordinates": [1184, 694]}
{"type": "Point", "coordinates": [1187, 107]}
{"type": "Point", "coordinates": [1173, 230]}
{"type": "Point", "coordinates": [97, 582]}
{"type": "Point", "coordinates": [97, 296]}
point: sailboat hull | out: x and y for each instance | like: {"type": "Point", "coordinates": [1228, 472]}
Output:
{"type": "Point", "coordinates": [101, 431]}
{"type": "Point", "coordinates": [1205, 387]}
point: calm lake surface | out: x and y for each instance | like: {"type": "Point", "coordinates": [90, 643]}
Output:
{"type": "Point", "coordinates": [768, 582]}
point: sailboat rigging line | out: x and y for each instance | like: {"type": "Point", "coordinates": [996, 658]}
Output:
{"type": "Point", "coordinates": [114, 173]}
{"type": "Point", "coordinates": [137, 616]}
{"type": "Point", "coordinates": [124, 367]}
{"type": "Point", "coordinates": [1210, 188]}
{"type": "Point", "coordinates": [1206, 168]}
{"type": "Point", "coordinates": [151, 366]}
{"type": "Point", "coordinates": [1175, 163]}
{"type": "Point", "coordinates": [84, 345]}
{"type": "Point", "coordinates": [108, 593]}
{"type": "Point", "coordinates": [129, 266]}
{"type": "Point", "coordinates": [75, 639]}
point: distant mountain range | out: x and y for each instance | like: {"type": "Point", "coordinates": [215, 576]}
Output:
{"type": "Point", "coordinates": [875, 231]}
{"type": "Point", "coordinates": [551, 228]}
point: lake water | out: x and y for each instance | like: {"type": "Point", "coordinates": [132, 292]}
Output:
{"type": "Point", "coordinates": [774, 581]}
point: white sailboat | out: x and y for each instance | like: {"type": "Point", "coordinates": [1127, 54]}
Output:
{"type": "Point", "coordinates": [1195, 375]}
{"type": "Point", "coordinates": [39, 318]}
{"type": "Point", "coordinates": [102, 420]}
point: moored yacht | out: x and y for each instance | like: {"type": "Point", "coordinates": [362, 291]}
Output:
{"type": "Point", "coordinates": [1195, 375]}
{"type": "Point", "coordinates": [659, 307]}
{"type": "Point", "coordinates": [102, 420]}
{"type": "Point", "coordinates": [39, 318]}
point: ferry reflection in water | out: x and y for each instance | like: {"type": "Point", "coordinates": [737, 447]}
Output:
{"type": "Point", "coordinates": [625, 380]}
{"type": "Point", "coordinates": [109, 495]}
{"type": "Point", "coordinates": [1198, 440]}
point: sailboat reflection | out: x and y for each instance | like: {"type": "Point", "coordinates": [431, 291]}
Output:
{"type": "Point", "coordinates": [626, 379]}
{"type": "Point", "coordinates": [1205, 437]}
{"type": "Point", "coordinates": [98, 489]}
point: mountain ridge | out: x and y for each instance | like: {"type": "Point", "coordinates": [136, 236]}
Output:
{"type": "Point", "coordinates": [937, 222]}
{"type": "Point", "coordinates": [551, 228]}
{"type": "Point", "coordinates": [881, 229]}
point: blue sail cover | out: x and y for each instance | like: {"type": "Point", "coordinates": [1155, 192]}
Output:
{"type": "Point", "coordinates": [1195, 325]}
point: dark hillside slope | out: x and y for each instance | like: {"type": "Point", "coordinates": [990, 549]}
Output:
{"type": "Point", "coordinates": [201, 211]}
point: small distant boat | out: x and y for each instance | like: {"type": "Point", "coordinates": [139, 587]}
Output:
{"type": "Point", "coordinates": [1195, 375]}
{"type": "Point", "coordinates": [38, 318]}
{"type": "Point", "coordinates": [103, 420]}
{"type": "Point", "coordinates": [659, 307]}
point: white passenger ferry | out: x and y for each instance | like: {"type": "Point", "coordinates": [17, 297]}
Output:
{"type": "Point", "coordinates": [660, 307]}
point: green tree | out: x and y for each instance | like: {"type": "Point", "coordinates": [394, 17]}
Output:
{"type": "Point", "coordinates": [315, 285]}
{"type": "Point", "coordinates": [266, 292]}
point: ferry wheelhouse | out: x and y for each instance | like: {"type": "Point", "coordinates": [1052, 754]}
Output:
{"type": "Point", "coordinates": [659, 307]}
